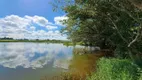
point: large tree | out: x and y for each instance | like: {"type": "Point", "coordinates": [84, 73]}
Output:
{"type": "Point", "coordinates": [110, 24]}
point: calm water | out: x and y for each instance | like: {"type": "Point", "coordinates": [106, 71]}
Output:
{"type": "Point", "coordinates": [34, 61]}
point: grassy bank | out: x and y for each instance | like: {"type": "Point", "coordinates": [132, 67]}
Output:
{"type": "Point", "coordinates": [98, 66]}
{"type": "Point", "coordinates": [46, 41]}
{"type": "Point", "coordinates": [116, 69]}
{"type": "Point", "coordinates": [110, 69]}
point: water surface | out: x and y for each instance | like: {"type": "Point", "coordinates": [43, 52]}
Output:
{"type": "Point", "coordinates": [31, 61]}
{"type": "Point", "coordinates": [34, 61]}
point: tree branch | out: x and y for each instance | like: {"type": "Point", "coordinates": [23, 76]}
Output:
{"type": "Point", "coordinates": [130, 15]}
{"type": "Point", "coordinates": [118, 30]}
{"type": "Point", "coordinates": [123, 10]}
{"type": "Point", "coordinates": [136, 38]}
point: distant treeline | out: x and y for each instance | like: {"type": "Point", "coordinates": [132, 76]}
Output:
{"type": "Point", "coordinates": [7, 39]}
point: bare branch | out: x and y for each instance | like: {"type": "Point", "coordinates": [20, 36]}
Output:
{"type": "Point", "coordinates": [118, 30]}
{"type": "Point", "coordinates": [130, 15]}
{"type": "Point", "coordinates": [136, 38]}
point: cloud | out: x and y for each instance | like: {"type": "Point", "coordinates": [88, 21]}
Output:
{"type": "Point", "coordinates": [50, 27]}
{"type": "Point", "coordinates": [14, 21]}
{"type": "Point", "coordinates": [26, 27]}
{"type": "Point", "coordinates": [32, 28]}
{"type": "Point", "coordinates": [58, 20]}
{"type": "Point", "coordinates": [41, 21]}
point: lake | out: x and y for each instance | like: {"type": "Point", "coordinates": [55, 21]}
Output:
{"type": "Point", "coordinates": [36, 61]}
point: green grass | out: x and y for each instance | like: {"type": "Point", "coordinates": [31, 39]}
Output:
{"type": "Point", "coordinates": [44, 41]}
{"type": "Point", "coordinates": [110, 69]}
{"type": "Point", "coordinates": [115, 69]}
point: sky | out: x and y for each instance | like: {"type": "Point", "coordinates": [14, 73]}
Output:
{"type": "Point", "coordinates": [30, 19]}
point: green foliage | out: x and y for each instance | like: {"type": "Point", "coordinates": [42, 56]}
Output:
{"type": "Point", "coordinates": [140, 78]}
{"type": "Point", "coordinates": [115, 69]}
{"type": "Point", "coordinates": [109, 24]}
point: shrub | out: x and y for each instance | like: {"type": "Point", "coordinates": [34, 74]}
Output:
{"type": "Point", "coordinates": [115, 69]}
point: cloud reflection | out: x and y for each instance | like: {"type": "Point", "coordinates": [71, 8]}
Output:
{"type": "Point", "coordinates": [34, 55]}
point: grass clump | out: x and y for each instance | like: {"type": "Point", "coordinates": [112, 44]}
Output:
{"type": "Point", "coordinates": [115, 69]}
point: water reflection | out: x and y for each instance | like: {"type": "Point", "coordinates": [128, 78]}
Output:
{"type": "Point", "coordinates": [34, 55]}
{"type": "Point", "coordinates": [82, 65]}
{"type": "Point", "coordinates": [32, 61]}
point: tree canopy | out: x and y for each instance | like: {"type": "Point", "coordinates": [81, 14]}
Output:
{"type": "Point", "coordinates": [109, 24]}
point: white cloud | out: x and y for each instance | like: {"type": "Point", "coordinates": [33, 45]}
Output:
{"type": "Point", "coordinates": [32, 28]}
{"type": "Point", "coordinates": [14, 21]}
{"type": "Point", "coordinates": [24, 27]}
{"type": "Point", "coordinates": [58, 20]}
{"type": "Point", "coordinates": [41, 21]}
{"type": "Point", "coordinates": [49, 27]}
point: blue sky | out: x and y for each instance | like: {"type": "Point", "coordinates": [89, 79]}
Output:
{"type": "Point", "coordinates": [30, 19]}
